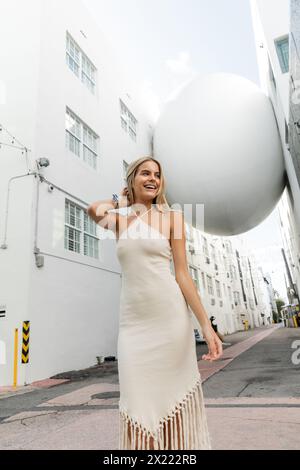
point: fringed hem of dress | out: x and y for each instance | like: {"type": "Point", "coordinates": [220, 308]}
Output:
{"type": "Point", "coordinates": [184, 428]}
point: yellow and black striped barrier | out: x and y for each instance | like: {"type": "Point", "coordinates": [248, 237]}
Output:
{"type": "Point", "coordinates": [25, 342]}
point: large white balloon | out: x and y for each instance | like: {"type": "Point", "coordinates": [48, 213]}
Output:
{"type": "Point", "coordinates": [219, 145]}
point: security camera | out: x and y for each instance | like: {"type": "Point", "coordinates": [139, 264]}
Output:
{"type": "Point", "coordinates": [50, 188]}
{"type": "Point", "coordinates": [43, 162]}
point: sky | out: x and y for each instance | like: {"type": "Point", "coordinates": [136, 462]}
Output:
{"type": "Point", "coordinates": [164, 43]}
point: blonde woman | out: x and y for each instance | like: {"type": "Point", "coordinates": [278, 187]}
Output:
{"type": "Point", "coordinates": [161, 401]}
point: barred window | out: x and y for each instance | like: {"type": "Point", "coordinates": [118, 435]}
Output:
{"type": "Point", "coordinates": [80, 231]}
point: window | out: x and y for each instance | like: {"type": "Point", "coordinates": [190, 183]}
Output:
{"type": "Point", "coordinates": [90, 239]}
{"type": "Point", "coordinates": [203, 280]}
{"type": "Point", "coordinates": [232, 272]}
{"type": "Point", "coordinates": [80, 231]}
{"type": "Point", "coordinates": [194, 275]}
{"type": "Point", "coordinates": [229, 293]}
{"type": "Point", "coordinates": [286, 134]}
{"type": "Point", "coordinates": [218, 288]}
{"type": "Point", "coordinates": [128, 121]}
{"type": "Point", "coordinates": [88, 73]}
{"type": "Point", "coordinates": [210, 285]}
{"type": "Point", "coordinates": [228, 246]}
{"type": "Point", "coordinates": [81, 140]}
{"type": "Point", "coordinates": [213, 253]}
{"type": "Point", "coordinates": [236, 296]}
{"type": "Point", "coordinates": [205, 246]}
{"type": "Point", "coordinates": [282, 48]}
{"type": "Point", "coordinates": [80, 64]}
{"type": "Point", "coordinates": [72, 55]}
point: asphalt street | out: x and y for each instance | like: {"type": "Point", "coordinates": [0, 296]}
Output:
{"type": "Point", "coordinates": [252, 398]}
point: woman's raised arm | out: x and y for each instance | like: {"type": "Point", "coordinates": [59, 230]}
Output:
{"type": "Point", "coordinates": [99, 211]}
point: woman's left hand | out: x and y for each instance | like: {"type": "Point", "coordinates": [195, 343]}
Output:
{"type": "Point", "coordinates": [215, 349]}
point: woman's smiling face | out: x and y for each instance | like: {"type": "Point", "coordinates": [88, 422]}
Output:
{"type": "Point", "coordinates": [147, 181]}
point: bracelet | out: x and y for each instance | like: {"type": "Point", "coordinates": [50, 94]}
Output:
{"type": "Point", "coordinates": [115, 198]}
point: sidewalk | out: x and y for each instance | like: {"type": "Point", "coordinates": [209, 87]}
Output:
{"type": "Point", "coordinates": [252, 402]}
{"type": "Point", "coordinates": [110, 368]}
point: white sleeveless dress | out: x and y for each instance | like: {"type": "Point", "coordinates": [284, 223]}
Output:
{"type": "Point", "coordinates": [159, 377]}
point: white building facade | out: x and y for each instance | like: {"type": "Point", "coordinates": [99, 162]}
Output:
{"type": "Point", "coordinates": [228, 280]}
{"type": "Point", "coordinates": [277, 35]}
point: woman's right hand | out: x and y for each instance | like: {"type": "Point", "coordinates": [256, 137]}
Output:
{"type": "Point", "coordinates": [215, 349]}
{"type": "Point", "coordinates": [124, 199]}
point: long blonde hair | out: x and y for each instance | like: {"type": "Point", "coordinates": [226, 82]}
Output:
{"type": "Point", "coordinates": [160, 199]}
